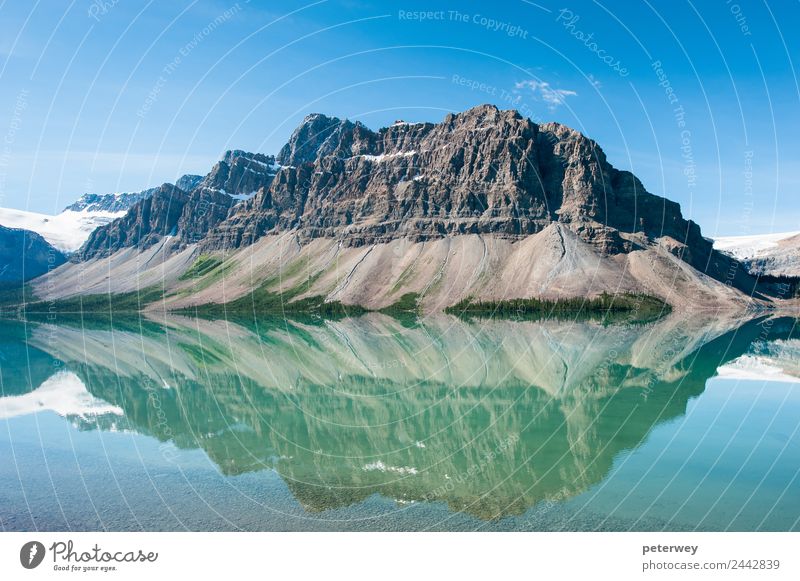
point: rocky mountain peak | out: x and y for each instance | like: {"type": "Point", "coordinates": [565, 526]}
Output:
{"type": "Point", "coordinates": [240, 174]}
{"type": "Point", "coordinates": [317, 135]}
{"type": "Point", "coordinates": [188, 213]}
{"type": "Point", "coordinates": [188, 182]}
{"type": "Point", "coordinates": [120, 202]}
{"type": "Point", "coordinates": [480, 113]}
{"type": "Point", "coordinates": [482, 171]}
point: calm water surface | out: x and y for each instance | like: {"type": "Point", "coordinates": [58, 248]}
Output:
{"type": "Point", "coordinates": [372, 423]}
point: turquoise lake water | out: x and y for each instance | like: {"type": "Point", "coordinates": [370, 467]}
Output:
{"type": "Point", "coordinates": [373, 423]}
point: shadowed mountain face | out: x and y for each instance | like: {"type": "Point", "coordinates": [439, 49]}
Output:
{"type": "Point", "coordinates": [25, 255]}
{"type": "Point", "coordinates": [488, 417]}
{"type": "Point", "coordinates": [145, 224]}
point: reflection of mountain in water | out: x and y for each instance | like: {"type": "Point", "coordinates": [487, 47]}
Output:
{"type": "Point", "coordinates": [490, 417]}
{"type": "Point", "coordinates": [777, 360]}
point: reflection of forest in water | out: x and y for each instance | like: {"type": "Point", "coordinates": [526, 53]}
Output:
{"type": "Point", "coordinates": [490, 417]}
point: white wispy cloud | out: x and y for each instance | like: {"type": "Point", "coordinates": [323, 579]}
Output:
{"type": "Point", "coordinates": [544, 92]}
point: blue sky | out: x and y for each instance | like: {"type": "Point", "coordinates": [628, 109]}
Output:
{"type": "Point", "coordinates": [699, 99]}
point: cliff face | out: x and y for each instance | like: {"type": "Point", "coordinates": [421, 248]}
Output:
{"type": "Point", "coordinates": [186, 211]}
{"type": "Point", "coordinates": [483, 171]}
{"type": "Point", "coordinates": [235, 178]}
{"type": "Point", "coordinates": [25, 255]}
{"type": "Point", "coordinates": [147, 222]}
{"type": "Point", "coordinates": [240, 174]}
{"type": "Point", "coordinates": [188, 182]}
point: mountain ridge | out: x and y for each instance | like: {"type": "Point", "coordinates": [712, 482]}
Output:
{"type": "Point", "coordinates": [122, 202]}
{"type": "Point", "coordinates": [236, 177]}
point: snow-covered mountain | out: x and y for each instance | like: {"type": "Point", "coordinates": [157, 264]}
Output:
{"type": "Point", "coordinates": [68, 230]}
{"type": "Point", "coordinates": [108, 202]}
{"type": "Point", "coordinates": [752, 245]}
{"type": "Point", "coordinates": [765, 254]}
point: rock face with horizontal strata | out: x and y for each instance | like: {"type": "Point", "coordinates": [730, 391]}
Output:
{"type": "Point", "coordinates": [483, 171]}
{"type": "Point", "coordinates": [240, 173]}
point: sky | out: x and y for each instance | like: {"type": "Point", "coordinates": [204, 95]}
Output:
{"type": "Point", "coordinates": [699, 99]}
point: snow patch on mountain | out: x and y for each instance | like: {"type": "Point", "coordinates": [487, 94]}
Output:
{"type": "Point", "coordinates": [242, 197]}
{"type": "Point", "coordinates": [385, 156]}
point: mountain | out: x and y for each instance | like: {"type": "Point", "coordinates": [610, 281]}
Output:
{"type": "Point", "coordinates": [25, 255]}
{"type": "Point", "coordinates": [112, 203]}
{"type": "Point", "coordinates": [185, 215]}
{"type": "Point", "coordinates": [122, 202]}
{"type": "Point", "coordinates": [485, 205]}
{"type": "Point", "coordinates": [775, 255]}
{"type": "Point", "coordinates": [146, 223]}
{"type": "Point", "coordinates": [484, 171]}
{"type": "Point", "coordinates": [240, 174]}
{"type": "Point", "coordinates": [68, 230]}
{"type": "Point", "coordinates": [188, 182]}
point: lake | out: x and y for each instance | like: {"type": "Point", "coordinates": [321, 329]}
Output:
{"type": "Point", "coordinates": [378, 423]}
